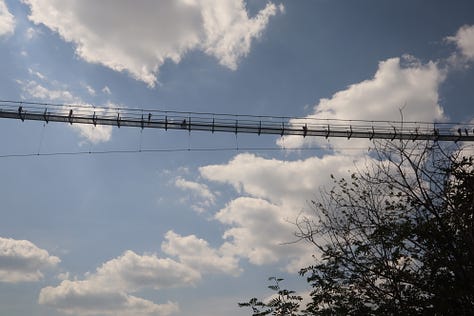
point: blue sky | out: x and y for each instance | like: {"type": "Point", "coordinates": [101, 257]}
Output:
{"type": "Point", "coordinates": [193, 233]}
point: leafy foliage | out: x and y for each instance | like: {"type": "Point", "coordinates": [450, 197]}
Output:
{"type": "Point", "coordinates": [285, 303]}
{"type": "Point", "coordinates": [395, 239]}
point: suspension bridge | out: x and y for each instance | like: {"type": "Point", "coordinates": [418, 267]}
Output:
{"type": "Point", "coordinates": [232, 123]}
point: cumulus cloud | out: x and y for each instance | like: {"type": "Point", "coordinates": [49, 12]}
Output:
{"type": "Point", "coordinates": [195, 252]}
{"type": "Point", "coordinates": [83, 298]}
{"type": "Point", "coordinates": [400, 84]}
{"type": "Point", "coordinates": [107, 291]}
{"type": "Point", "coordinates": [279, 181]}
{"type": "Point", "coordinates": [40, 91]}
{"type": "Point", "coordinates": [7, 20]}
{"type": "Point", "coordinates": [204, 197]}
{"type": "Point", "coordinates": [198, 188]}
{"type": "Point", "coordinates": [22, 261]}
{"type": "Point", "coordinates": [133, 272]}
{"type": "Point", "coordinates": [229, 31]}
{"type": "Point", "coordinates": [154, 31]}
{"type": "Point", "coordinates": [464, 39]}
{"type": "Point", "coordinates": [273, 193]}
{"type": "Point", "coordinates": [245, 217]}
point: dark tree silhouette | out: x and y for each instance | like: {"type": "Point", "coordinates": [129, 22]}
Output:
{"type": "Point", "coordinates": [397, 238]}
{"type": "Point", "coordinates": [285, 303]}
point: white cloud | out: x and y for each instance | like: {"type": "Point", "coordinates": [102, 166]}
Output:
{"type": "Point", "coordinates": [94, 134]}
{"type": "Point", "coordinates": [154, 31]}
{"type": "Point", "coordinates": [84, 298]}
{"type": "Point", "coordinates": [22, 261]}
{"type": "Point", "coordinates": [89, 90]}
{"type": "Point", "coordinates": [258, 230]}
{"type": "Point", "coordinates": [399, 84]}
{"type": "Point", "coordinates": [107, 291]}
{"type": "Point", "coordinates": [273, 193]}
{"type": "Point", "coordinates": [63, 276]}
{"type": "Point", "coordinates": [33, 89]}
{"type": "Point", "coordinates": [199, 188]}
{"type": "Point", "coordinates": [133, 272]}
{"type": "Point", "coordinates": [196, 253]}
{"type": "Point", "coordinates": [260, 223]}
{"type": "Point", "coordinates": [229, 31]}
{"type": "Point", "coordinates": [204, 197]}
{"type": "Point", "coordinates": [106, 90]}
{"type": "Point", "coordinates": [282, 182]}
{"type": "Point", "coordinates": [31, 33]}
{"type": "Point", "coordinates": [37, 74]}
{"type": "Point", "coordinates": [7, 20]}
{"type": "Point", "coordinates": [464, 39]}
